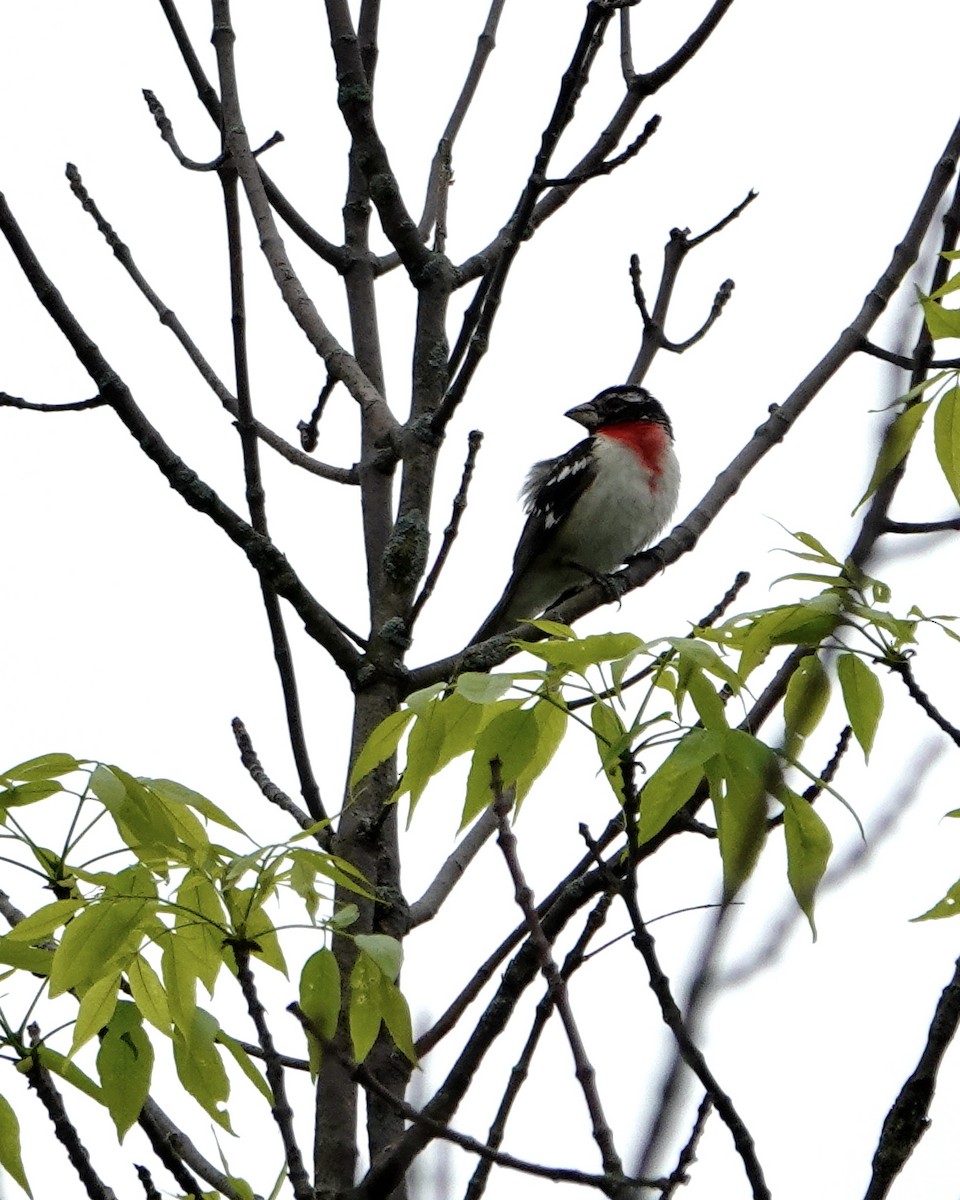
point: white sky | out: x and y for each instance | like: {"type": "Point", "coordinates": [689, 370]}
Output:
{"type": "Point", "coordinates": [133, 632]}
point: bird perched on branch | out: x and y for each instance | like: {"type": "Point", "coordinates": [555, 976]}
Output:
{"type": "Point", "coordinates": [593, 507]}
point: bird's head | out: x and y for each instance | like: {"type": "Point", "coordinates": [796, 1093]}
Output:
{"type": "Point", "coordinates": [620, 405]}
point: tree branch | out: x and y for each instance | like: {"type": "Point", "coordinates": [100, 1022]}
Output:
{"type": "Point", "coordinates": [169, 318]}
{"type": "Point", "coordinates": [262, 554]}
{"type": "Point", "coordinates": [907, 1120]}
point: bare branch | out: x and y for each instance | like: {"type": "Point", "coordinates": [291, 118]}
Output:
{"type": "Point", "coordinates": [169, 318]}
{"type": "Point", "coordinates": [654, 323]}
{"type": "Point", "coordinates": [8, 401]}
{"type": "Point", "coordinates": [339, 362]}
{"type": "Point", "coordinates": [474, 441]}
{"type": "Point", "coordinates": [903, 668]}
{"type": "Point", "coordinates": [177, 1146]}
{"type": "Point", "coordinates": [261, 553]}
{"type": "Point", "coordinates": [249, 759]}
{"type": "Point", "coordinates": [584, 1070]}
{"type": "Point", "coordinates": [39, 1078]}
{"type": "Point", "coordinates": [947, 525]}
{"type": "Point", "coordinates": [907, 1120]}
{"type": "Point", "coordinates": [450, 874]}
{"type": "Point", "coordinates": [688, 1155]}
{"type": "Point", "coordinates": [906, 361]}
{"type": "Point", "coordinates": [381, 1177]}
{"type": "Point", "coordinates": [165, 127]}
{"type": "Point", "coordinates": [518, 1075]}
{"type": "Point", "coordinates": [336, 256]}
{"type": "Point", "coordinates": [608, 166]}
{"type": "Point", "coordinates": [280, 1108]}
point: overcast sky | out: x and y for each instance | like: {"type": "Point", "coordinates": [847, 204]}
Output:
{"type": "Point", "coordinates": [132, 632]}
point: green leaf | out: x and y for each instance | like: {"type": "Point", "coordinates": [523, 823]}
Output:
{"type": "Point", "coordinates": [180, 969]}
{"type": "Point", "coordinates": [949, 906]}
{"type": "Point", "coordinates": [896, 443]}
{"type": "Point", "coordinates": [706, 699]}
{"type": "Point", "coordinates": [25, 958]}
{"type": "Point", "coordinates": [809, 846]}
{"type": "Point", "coordinates": [10, 1158]}
{"type": "Point", "coordinates": [674, 781]}
{"type": "Point", "coordinates": [550, 718]}
{"type": "Point", "coordinates": [96, 1008]}
{"type": "Point", "coordinates": [201, 924]}
{"type": "Point", "coordinates": [511, 737]}
{"type": "Point", "coordinates": [29, 793]}
{"type": "Point", "coordinates": [40, 925]}
{"type": "Point", "coordinates": [740, 776]}
{"type": "Point", "coordinates": [863, 697]}
{"type": "Point", "coordinates": [246, 1064]}
{"type": "Point", "coordinates": [804, 624]}
{"type": "Point", "coordinates": [320, 1001]}
{"type": "Point", "coordinates": [62, 1066]}
{"type": "Point", "coordinates": [483, 688]}
{"type": "Point", "coordinates": [396, 1017]}
{"type": "Point", "coordinates": [148, 993]}
{"type": "Point", "coordinates": [611, 739]}
{"type": "Point", "coordinates": [47, 766]}
{"type": "Point", "coordinates": [125, 1066]}
{"type": "Point", "coordinates": [580, 653]}
{"type": "Point", "coordinates": [365, 1009]}
{"type": "Point", "coordinates": [200, 1067]}
{"type": "Point", "coordinates": [941, 322]}
{"type": "Point", "coordinates": [381, 744]}
{"type": "Point", "coordinates": [385, 951]}
{"type": "Point", "coordinates": [946, 437]}
{"type": "Point", "coordinates": [176, 793]}
{"type": "Point", "coordinates": [806, 699]}
{"type": "Point", "coordinates": [93, 940]}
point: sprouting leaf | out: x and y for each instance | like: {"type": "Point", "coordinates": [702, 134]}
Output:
{"type": "Point", "coordinates": [365, 1010]}
{"type": "Point", "coordinates": [200, 1067]}
{"type": "Point", "coordinates": [863, 697]}
{"type": "Point", "coordinates": [896, 443]}
{"type": "Point", "coordinates": [946, 437]}
{"type": "Point", "coordinates": [949, 906]}
{"type": "Point", "coordinates": [47, 766]}
{"type": "Point", "coordinates": [94, 939]}
{"type": "Point", "coordinates": [740, 775]}
{"type": "Point", "coordinates": [10, 1158]}
{"type": "Point", "coordinates": [510, 737]}
{"type": "Point", "coordinates": [96, 1008]}
{"type": "Point", "coordinates": [381, 744]}
{"type": "Point", "coordinates": [806, 699]}
{"type": "Point", "coordinates": [125, 1066]}
{"type": "Point", "coordinates": [674, 781]}
{"type": "Point", "coordinates": [581, 653]}
{"type": "Point", "coordinates": [385, 951]}
{"type": "Point", "coordinates": [320, 1000]}
{"type": "Point", "coordinates": [809, 846]}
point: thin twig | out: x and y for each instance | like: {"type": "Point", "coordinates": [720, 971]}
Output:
{"type": "Point", "coordinates": [906, 361]}
{"type": "Point", "coordinates": [280, 1107]}
{"type": "Point", "coordinates": [949, 524]}
{"type": "Point", "coordinates": [521, 1068]}
{"type": "Point", "coordinates": [262, 554]}
{"type": "Point", "coordinates": [249, 759]}
{"type": "Point", "coordinates": [450, 874]}
{"type": "Point", "coordinates": [584, 1069]}
{"type": "Point", "coordinates": [8, 401]}
{"type": "Point", "coordinates": [688, 1155]}
{"type": "Point", "coordinates": [309, 430]}
{"type": "Point", "coordinates": [169, 318]}
{"type": "Point", "coordinates": [39, 1078]}
{"type": "Point", "coordinates": [903, 668]}
{"type": "Point", "coordinates": [256, 500]}
{"type": "Point", "coordinates": [608, 166]}
{"type": "Point", "coordinates": [907, 1120]}
{"type": "Point", "coordinates": [474, 441]}
{"type": "Point", "coordinates": [336, 256]}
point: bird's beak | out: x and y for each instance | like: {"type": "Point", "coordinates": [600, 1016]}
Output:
{"type": "Point", "coordinates": [585, 415]}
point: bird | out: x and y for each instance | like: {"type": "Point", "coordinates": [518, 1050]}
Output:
{"type": "Point", "coordinates": [593, 507]}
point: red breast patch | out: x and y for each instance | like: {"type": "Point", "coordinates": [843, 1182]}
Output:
{"type": "Point", "coordinates": [646, 439]}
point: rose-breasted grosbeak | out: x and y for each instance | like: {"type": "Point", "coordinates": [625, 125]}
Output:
{"type": "Point", "coordinates": [594, 506]}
